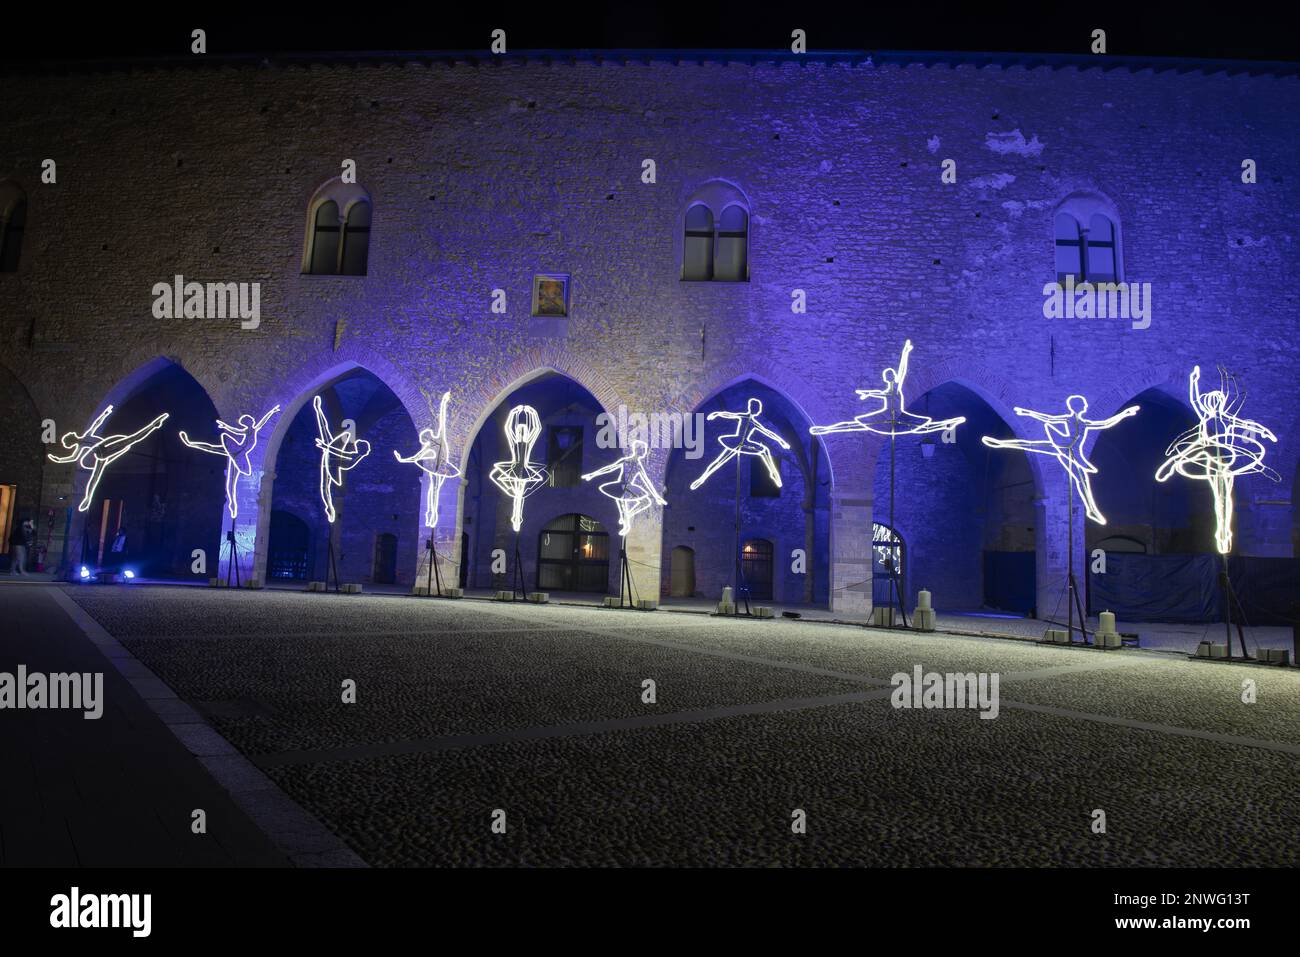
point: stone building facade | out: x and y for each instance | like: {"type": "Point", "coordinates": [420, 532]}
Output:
{"type": "Point", "coordinates": [484, 173]}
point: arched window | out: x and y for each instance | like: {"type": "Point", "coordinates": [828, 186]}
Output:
{"type": "Point", "coordinates": [356, 239]}
{"type": "Point", "coordinates": [729, 263]}
{"type": "Point", "coordinates": [1087, 240]}
{"type": "Point", "coordinates": [325, 240]}
{"type": "Point", "coordinates": [13, 220]}
{"type": "Point", "coordinates": [715, 234]}
{"type": "Point", "coordinates": [1069, 248]}
{"type": "Point", "coordinates": [697, 249]}
{"type": "Point", "coordinates": [1100, 240]}
{"type": "Point", "coordinates": [338, 231]}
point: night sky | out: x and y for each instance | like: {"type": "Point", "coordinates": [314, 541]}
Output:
{"type": "Point", "coordinates": [1213, 32]}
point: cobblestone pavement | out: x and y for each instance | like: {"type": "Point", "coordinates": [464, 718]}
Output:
{"type": "Point", "coordinates": [465, 708]}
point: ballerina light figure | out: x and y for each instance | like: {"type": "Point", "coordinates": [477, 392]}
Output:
{"type": "Point", "coordinates": [891, 417]}
{"type": "Point", "coordinates": [744, 441]}
{"type": "Point", "coordinates": [96, 452]}
{"type": "Point", "coordinates": [631, 489]}
{"type": "Point", "coordinates": [434, 460]}
{"type": "Point", "coordinates": [519, 477]}
{"type": "Point", "coordinates": [236, 443]}
{"type": "Point", "coordinates": [338, 454]}
{"type": "Point", "coordinates": [1221, 446]}
{"type": "Point", "coordinates": [1066, 436]}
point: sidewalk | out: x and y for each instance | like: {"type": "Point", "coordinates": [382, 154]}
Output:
{"type": "Point", "coordinates": [118, 791]}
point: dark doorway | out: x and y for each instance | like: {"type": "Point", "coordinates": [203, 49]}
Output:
{"type": "Point", "coordinates": [464, 559]}
{"type": "Point", "coordinates": [756, 567]}
{"type": "Point", "coordinates": [385, 568]}
{"type": "Point", "coordinates": [573, 555]}
{"type": "Point", "coordinates": [682, 573]}
{"type": "Point", "coordinates": [289, 553]}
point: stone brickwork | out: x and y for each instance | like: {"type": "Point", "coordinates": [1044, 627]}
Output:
{"type": "Point", "coordinates": [483, 175]}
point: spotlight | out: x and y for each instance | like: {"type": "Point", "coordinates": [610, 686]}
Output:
{"type": "Point", "coordinates": [128, 574]}
{"type": "Point", "coordinates": [85, 573]}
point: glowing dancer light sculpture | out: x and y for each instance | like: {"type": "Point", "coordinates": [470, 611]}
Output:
{"type": "Point", "coordinates": [236, 443]}
{"type": "Point", "coordinates": [632, 493]}
{"type": "Point", "coordinates": [1221, 446]}
{"type": "Point", "coordinates": [1066, 436]}
{"type": "Point", "coordinates": [434, 460]}
{"type": "Point", "coordinates": [891, 418]}
{"type": "Point", "coordinates": [519, 477]}
{"type": "Point", "coordinates": [96, 453]}
{"type": "Point", "coordinates": [744, 441]}
{"type": "Point", "coordinates": [338, 454]}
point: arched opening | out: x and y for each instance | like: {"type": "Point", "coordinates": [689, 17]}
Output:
{"type": "Point", "coordinates": [160, 501]}
{"type": "Point", "coordinates": [792, 517]}
{"type": "Point", "coordinates": [21, 456]}
{"type": "Point", "coordinates": [1169, 570]}
{"type": "Point", "coordinates": [573, 555]}
{"type": "Point", "coordinates": [966, 511]}
{"type": "Point", "coordinates": [377, 496]}
{"type": "Point", "coordinates": [571, 442]}
{"type": "Point", "coordinates": [682, 572]}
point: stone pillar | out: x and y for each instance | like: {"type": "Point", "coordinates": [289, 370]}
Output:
{"type": "Point", "coordinates": [1051, 517]}
{"type": "Point", "coordinates": [851, 555]}
{"type": "Point", "coordinates": [644, 552]}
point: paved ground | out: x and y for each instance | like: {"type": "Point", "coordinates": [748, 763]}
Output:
{"type": "Point", "coordinates": [116, 791]}
{"type": "Point", "coordinates": [467, 707]}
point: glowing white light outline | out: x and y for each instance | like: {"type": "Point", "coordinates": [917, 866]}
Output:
{"type": "Point", "coordinates": [1074, 427]}
{"type": "Point", "coordinates": [746, 444]}
{"type": "Point", "coordinates": [329, 451]}
{"type": "Point", "coordinates": [1198, 453]}
{"type": "Point", "coordinates": [519, 477]}
{"type": "Point", "coordinates": [120, 443]}
{"type": "Point", "coordinates": [434, 460]}
{"type": "Point", "coordinates": [890, 395]}
{"type": "Point", "coordinates": [237, 461]}
{"type": "Point", "coordinates": [629, 506]}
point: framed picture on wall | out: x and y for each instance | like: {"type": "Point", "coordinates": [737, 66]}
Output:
{"type": "Point", "coordinates": [551, 295]}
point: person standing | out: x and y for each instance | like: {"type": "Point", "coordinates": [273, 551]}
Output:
{"type": "Point", "coordinates": [20, 542]}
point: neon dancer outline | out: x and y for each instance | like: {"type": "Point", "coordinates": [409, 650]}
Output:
{"type": "Point", "coordinates": [1221, 446]}
{"type": "Point", "coordinates": [1075, 429]}
{"type": "Point", "coordinates": [519, 477]}
{"type": "Point", "coordinates": [243, 438]}
{"type": "Point", "coordinates": [119, 444]}
{"type": "Point", "coordinates": [348, 451]}
{"type": "Point", "coordinates": [434, 460]}
{"type": "Point", "coordinates": [742, 442]}
{"type": "Point", "coordinates": [893, 403]}
{"type": "Point", "coordinates": [640, 484]}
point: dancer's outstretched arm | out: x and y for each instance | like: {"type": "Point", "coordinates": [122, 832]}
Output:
{"type": "Point", "coordinates": [407, 461]}
{"type": "Point", "coordinates": [612, 466]}
{"type": "Point", "coordinates": [103, 417]}
{"type": "Point", "coordinates": [1194, 387]}
{"type": "Point", "coordinates": [901, 372]}
{"type": "Point", "coordinates": [1117, 417]}
{"type": "Point", "coordinates": [1040, 416]}
{"type": "Point", "coordinates": [70, 457]}
{"type": "Point", "coordinates": [720, 414]}
{"type": "Point", "coordinates": [872, 393]}
{"type": "Point", "coordinates": [264, 419]}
